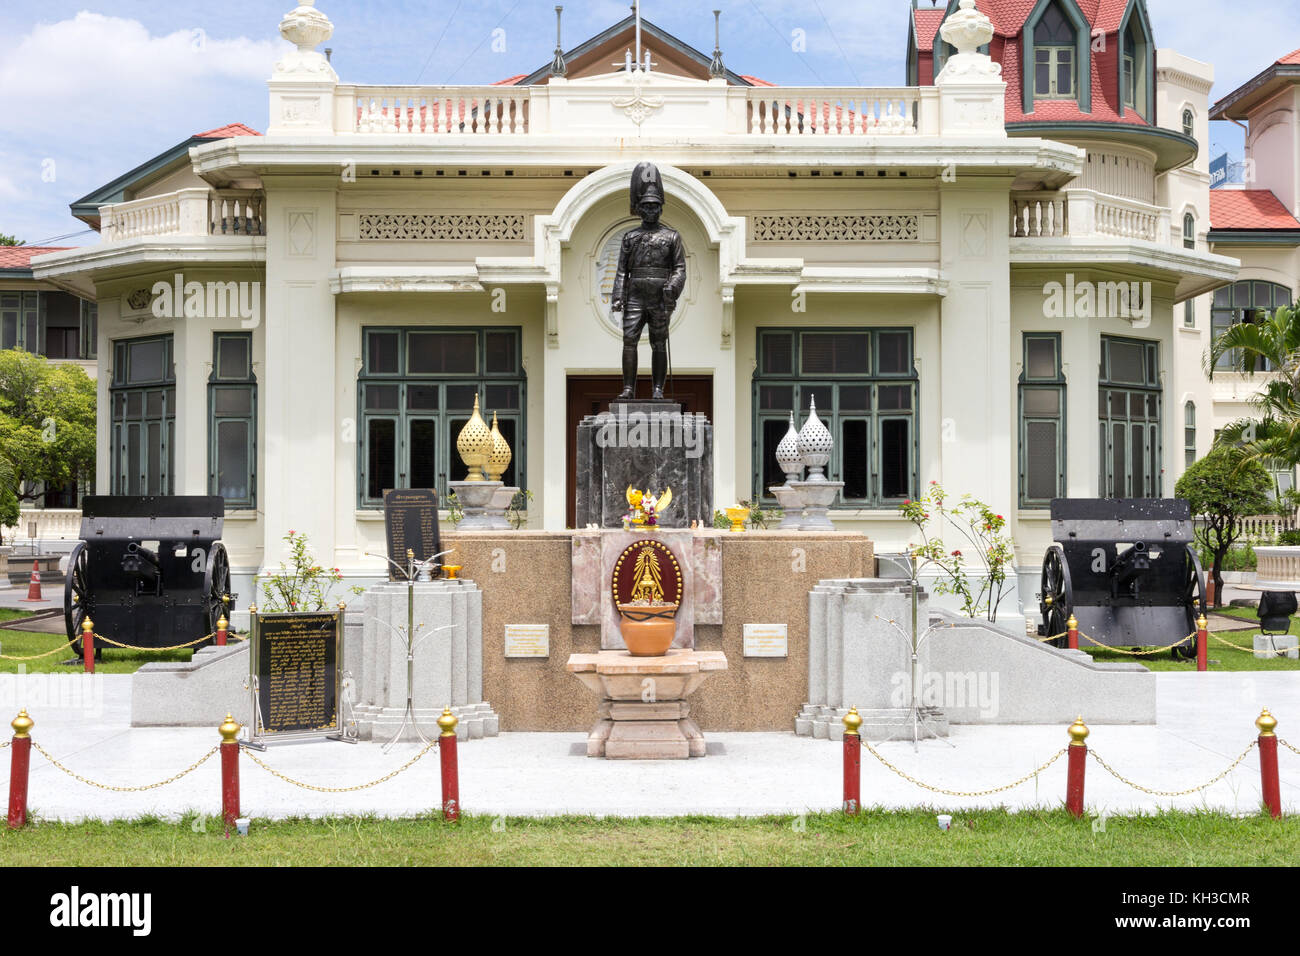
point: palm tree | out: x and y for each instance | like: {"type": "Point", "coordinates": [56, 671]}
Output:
{"type": "Point", "coordinates": [1272, 345]}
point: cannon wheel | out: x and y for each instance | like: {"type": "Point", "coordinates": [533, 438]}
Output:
{"type": "Point", "coordinates": [1193, 603]}
{"type": "Point", "coordinates": [74, 596]}
{"type": "Point", "coordinates": [1056, 596]}
{"type": "Point", "coordinates": [216, 586]}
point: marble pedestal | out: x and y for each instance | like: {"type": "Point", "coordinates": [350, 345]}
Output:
{"type": "Point", "coordinates": [643, 711]}
{"type": "Point", "coordinates": [647, 445]}
{"type": "Point", "coordinates": [446, 669]}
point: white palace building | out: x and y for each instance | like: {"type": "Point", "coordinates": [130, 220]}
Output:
{"type": "Point", "coordinates": [997, 277]}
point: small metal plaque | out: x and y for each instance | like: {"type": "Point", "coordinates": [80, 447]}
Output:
{"type": "Point", "coordinates": [766, 640]}
{"type": "Point", "coordinates": [528, 640]}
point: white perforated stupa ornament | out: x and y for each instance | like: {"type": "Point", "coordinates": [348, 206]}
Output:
{"type": "Point", "coordinates": [788, 455]}
{"type": "Point", "coordinates": [815, 443]}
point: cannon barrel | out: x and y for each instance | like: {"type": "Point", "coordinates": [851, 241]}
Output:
{"type": "Point", "coordinates": [1131, 565]}
{"type": "Point", "coordinates": [141, 562]}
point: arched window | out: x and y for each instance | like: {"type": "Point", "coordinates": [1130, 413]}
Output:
{"type": "Point", "coordinates": [1189, 123]}
{"type": "Point", "coordinates": [1054, 56]}
{"type": "Point", "coordinates": [1189, 231]}
{"type": "Point", "coordinates": [1247, 301]}
{"type": "Point", "coordinates": [1189, 433]}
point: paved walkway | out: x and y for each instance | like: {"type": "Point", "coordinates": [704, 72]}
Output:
{"type": "Point", "coordinates": [1206, 720]}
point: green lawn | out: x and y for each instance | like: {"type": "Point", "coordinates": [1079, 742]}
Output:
{"type": "Point", "coordinates": [877, 837]}
{"type": "Point", "coordinates": [1222, 657]}
{"type": "Point", "coordinates": [114, 661]}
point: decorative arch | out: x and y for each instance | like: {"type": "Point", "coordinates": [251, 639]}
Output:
{"type": "Point", "coordinates": [725, 232]}
{"type": "Point", "coordinates": [1082, 53]}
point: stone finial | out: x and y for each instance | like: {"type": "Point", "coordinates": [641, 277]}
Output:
{"type": "Point", "coordinates": [967, 30]}
{"type": "Point", "coordinates": [306, 28]}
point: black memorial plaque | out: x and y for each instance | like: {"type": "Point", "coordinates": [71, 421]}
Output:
{"type": "Point", "coordinates": [296, 661]}
{"type": "Point", "coordinates": [411, 521]}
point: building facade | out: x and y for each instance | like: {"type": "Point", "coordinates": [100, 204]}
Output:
{"type": "Point", "coordinates": [979, 285]}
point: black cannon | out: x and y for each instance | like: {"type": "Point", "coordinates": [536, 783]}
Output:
{"type": "Point", "coordinates": [1126, 569]}
{"type": "Point", "coordinates": [149, 571]}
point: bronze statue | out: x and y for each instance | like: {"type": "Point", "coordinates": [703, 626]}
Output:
{"type": "Point", "coordinates": [651, 276]}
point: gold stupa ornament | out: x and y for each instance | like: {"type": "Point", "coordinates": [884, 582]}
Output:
{"type": "Point", "coordinates": [499, 458]}
{"type": "Point", "coordinates": [475, 444]}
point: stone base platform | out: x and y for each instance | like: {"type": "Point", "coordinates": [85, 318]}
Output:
{"type": "Point", "coordinates": [886, 723]}
{"type": "Point", "coordinates": [643, 713]}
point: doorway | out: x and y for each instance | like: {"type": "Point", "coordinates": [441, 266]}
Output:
{"type": "Point", "coordinates": [591, 394]}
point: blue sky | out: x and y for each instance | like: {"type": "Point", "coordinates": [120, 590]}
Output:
{"type": "Point", "coordinates": [90, 89]}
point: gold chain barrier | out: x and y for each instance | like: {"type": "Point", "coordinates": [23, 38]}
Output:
{"type": "Point", "coordinates": [33, 657]}
{"type": "Point", "coordinates": [1145, 652]}
{"type": "Point", "coordinates": [104, 786]}
{"type": "Point", "coordinates": [1172, 793]}
{"type": "Point", "coordinates": [1287, 746]}
{"type": "Point", "coordinates": [1248, 650]}
{"type": "Point", "coordinates": [132, 647]}
{"type": "Point", "coordinates": [962, 793]}
{"type": "Point", "coordinates": [363, 786]}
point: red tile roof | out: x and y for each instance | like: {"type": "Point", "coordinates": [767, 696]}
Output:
{"type": "Point", "coordinates": [927, 25]}
{"type": "Point", "coordinates": [510, 80]}
{"type": "Point", "coordinates": [1249, 209]}
{"type": "Point", "coordinates": [20, 257]}
{"type": "Point", "coordinates": [227, 131]}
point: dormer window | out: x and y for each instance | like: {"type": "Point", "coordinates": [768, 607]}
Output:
{"type": "Point", "coordinates": [1054, 56]}
{"type": "Point", "coordinates": [1136, 62]}
{"type": "Point", "coordinates": [1130, 70]}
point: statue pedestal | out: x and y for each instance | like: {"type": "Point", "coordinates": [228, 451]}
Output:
{"type": "Point", "coordinates": [643, 709]}
{"type": "Point", "coordinates": [648, 445]}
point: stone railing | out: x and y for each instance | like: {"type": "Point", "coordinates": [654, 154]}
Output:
{"type": "Point", "coordinates": [1277, 564]}
{"type": "Point", "coordinates": [439, 110]}
{"type": "Point", "coordinates": [825, 111]}
{"type": "Point", "coordinates": [195, 211]}
{"type": "Point", "coordinates": [1265, 527]}
{"type": "Point", "coordinates": [1081, 213]}
{"type": "Point", "coordinates": [50, 524]}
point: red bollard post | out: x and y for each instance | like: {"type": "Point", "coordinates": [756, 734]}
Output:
{"type": "Point", "coordinates": [222, 625]}
{"type": "Point", "coordinates": [21, 750]}
{"type": "Point", "coordinates": [450, 773]}
{"type": "Point", "coordinates": [1072, 633]}
{"type": "Point", "coordinates": [1267, 724]}
{"type": "Point", "coordinates": [229, 730]}
{"type": "Point", "coordinates": [1202, 644]}
{"type": "Point", "coordinates": [88, 645]}
{"type": "Point", "coordinates": [852, 762]}
{"type": "Point", "coordinates": [1077, 757]}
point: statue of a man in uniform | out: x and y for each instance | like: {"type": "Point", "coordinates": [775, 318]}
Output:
{"type": "Point", "coordinates": [651, 276]}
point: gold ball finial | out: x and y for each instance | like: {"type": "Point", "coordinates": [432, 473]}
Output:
{"type": "Point", "coordinates": [252, 609]}
{"type": "Point", "coordinates": [852, 721]}
{"type": "Point", "coordinates": [87, 626]}
{"type": "Point", "coordinates": [222, 623]}
{"type": "Point", "coordinates": [1266, 723]}
{"type": "Point", "coordinates": [1078, 732]}
{"type": "Point", "coordinates": [22, 724]}
{"type": "Point", "coordinates": [342, 606]}
{"type": "Point", "coordinates": [229, 729]}
{"type": "Point", "coordinates": [1202, 623]}
{"type": "Point", "coordinates": [1073, 623]}
{"type": "Point", "coordinates": [447, 723]}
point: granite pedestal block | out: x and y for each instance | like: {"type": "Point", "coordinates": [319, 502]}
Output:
{"type": "Point", "coordinates": [643, 713]}
{"type": "Point", "coordinates": [447, 666]}
{"type": "Point", "coordinates": [650, 446]}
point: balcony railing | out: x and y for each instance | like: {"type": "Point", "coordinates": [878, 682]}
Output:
{"type": "Point", "coordinates": [519, 111]}
{"type": "Point", "coordinates": [1079, 213]}
{"type": "Point", "coordinates": [195, 211]}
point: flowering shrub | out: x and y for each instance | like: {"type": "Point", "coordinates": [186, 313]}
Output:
{"type": "Point", "coordinates": [302, 585]}
{"type": "Point", "coordinates": [981, 530]}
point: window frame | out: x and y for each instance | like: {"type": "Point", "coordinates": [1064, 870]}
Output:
{"type": "Point", "coordinates": [1249, 312]}
{"type": "Point", "coordinates": [220, 381]}
{"type": "Point", "coordinates": [1082, 56]}
{"type": "Point", "coordinates": [448, 420]}
{"type": "Point", "coordinates": [122, 385]}
{"type": "Point", "coordinates": [1027, 382]}
{"type": "Point", "coordinates": [1189, 433]}
{"type": "Point", "coordinates": [833, 416]}
{"type": "Point", "coordinates": [1151, 387]}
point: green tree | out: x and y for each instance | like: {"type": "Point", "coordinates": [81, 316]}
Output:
{"type": "Point", "coordinates": [1222, 488]}
{"type": "Point", "coordinates": [47, 423]}
{"type": "Point", "coordinates": [1272, 343]}
{"type": "Point", "coordinates": [7, 240]}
